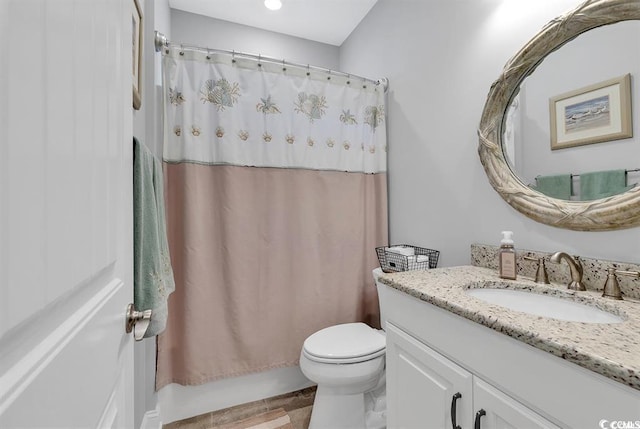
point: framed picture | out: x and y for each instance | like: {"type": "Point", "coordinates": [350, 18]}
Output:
{"type": "Point", "coordinates": [597, 113]}
{"type": "Point", "coordinates": [136, 24]}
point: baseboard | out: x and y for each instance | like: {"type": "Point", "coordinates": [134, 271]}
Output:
{"type": "Point", "coordinates": [151, 420]}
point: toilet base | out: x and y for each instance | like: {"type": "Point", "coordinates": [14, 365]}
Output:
{"type": "Point", "coordinates": [375, 407]}
{"type": "Point", "coordinates": [333, 411]}
{"type": "Point", "coordinates": [350, 411]}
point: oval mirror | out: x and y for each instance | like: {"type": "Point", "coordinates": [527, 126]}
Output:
{"type": "Point", "coordinates": [517, 146]}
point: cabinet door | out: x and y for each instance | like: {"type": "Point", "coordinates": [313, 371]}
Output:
{"type": "Point", "coordinates": [421, 385]}
{"type": "Point", "coordinates": [502, 411]}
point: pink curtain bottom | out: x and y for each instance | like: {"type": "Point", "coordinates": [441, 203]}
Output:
{"type": "Point", "coordinates": [262, 258]}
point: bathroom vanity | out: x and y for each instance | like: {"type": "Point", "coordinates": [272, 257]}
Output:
{"type": "Point", "coordinates": [454, 359]}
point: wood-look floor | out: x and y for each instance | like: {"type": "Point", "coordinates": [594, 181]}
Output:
{"type": "Point", "coordinates": [297, 405]}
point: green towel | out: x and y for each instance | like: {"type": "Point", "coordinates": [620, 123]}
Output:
{"type": "Point", "coordinates": [602, 184]}
{"type": "Point", "coordinates": [557, 186]}
{"type": "Point", "coordinates": [152, 273]}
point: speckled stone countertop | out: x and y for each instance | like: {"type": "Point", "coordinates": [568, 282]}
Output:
{"type": "Point", "coordinates": [612, 350]}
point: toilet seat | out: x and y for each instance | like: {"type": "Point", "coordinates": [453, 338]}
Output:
{"type": "Point", "coordinates": [346, 343]}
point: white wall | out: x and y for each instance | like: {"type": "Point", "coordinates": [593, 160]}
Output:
{"type": "Point", "coordinates": [198, 30]}
{"type": "Point", "coordinates": [441, 57]}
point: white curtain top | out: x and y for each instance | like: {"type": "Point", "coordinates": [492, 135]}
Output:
{"type": "Point", "coordinates": [224, 110]}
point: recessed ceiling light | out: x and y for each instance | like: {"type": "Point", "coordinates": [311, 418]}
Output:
{"type": "Point", "coordinates": [273, 4]}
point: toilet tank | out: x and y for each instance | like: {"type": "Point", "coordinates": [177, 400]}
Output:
{"type": "Point", "coordinates": [381, 296]}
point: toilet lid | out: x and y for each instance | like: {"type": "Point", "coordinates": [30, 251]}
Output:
{"type": "Point", "coordinates": [350, 340]}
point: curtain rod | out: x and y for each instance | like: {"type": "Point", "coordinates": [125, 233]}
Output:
{"type": "Point", "coordinates": [162, 41]}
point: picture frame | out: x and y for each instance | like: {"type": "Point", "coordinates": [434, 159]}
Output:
{"type": "Point", "coordinates": [593, 114]}
{"type": "Point", "coordinates": [136, 27]}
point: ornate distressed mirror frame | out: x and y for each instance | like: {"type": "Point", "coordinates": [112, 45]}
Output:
{"type": "Point", "coordinates": [616, 212]}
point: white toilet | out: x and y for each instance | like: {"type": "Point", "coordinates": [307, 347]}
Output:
{"type": "Point", "coordinates": [347, 363]}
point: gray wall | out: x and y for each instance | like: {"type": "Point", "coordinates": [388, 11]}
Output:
{"type": "Point", "coordinates": [441, 57]}
{"type": "Point", "coordinates": [198, 30]}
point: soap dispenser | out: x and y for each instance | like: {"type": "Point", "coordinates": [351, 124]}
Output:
{"type": "Point", "coordinates": [507, 257]}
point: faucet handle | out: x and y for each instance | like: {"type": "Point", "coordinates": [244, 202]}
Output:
{"type": "Point", "coordinates": [541, 272]}
{"type": "Point", "coordinates": [611, 286]}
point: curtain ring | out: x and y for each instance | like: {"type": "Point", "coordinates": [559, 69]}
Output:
{"type": "Point", "coordinates": [329, 77]}
{"type": "Point", "coordinates": [233, 57]}
{"type": "Point", "coordinates": [284, 68]}
{"type": "Point", "coordinates": [208, 54]}
{"type": "Point", "coordinates": [348, 79]}
{"type": "Point", "coordinates": [181, 50]}
{"type": "Point", "coordinates": [259, 59]}
{"type": "Point", "coordinates": [308, 72]}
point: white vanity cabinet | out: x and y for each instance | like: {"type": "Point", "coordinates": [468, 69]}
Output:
{"type": "Point", "coordinates": [427, 390]}
{"type": "Point", "coordinates": [421, 385]}
{"type": "Point", "coordinates": [432, 354]}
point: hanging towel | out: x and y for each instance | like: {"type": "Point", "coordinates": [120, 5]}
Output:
{"type": "Point", "coordinates": [557, 186]}
{"type": "Point", "coordinates": [152, 273]}
{"type": "Point", "coordinates": [602, 184]}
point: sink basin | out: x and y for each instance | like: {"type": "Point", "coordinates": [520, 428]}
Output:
{"type": "Point", "coordinates": [544, 305]}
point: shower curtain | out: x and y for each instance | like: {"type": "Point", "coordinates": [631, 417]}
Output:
{"type": "Point", "coordinates": [276, 199]}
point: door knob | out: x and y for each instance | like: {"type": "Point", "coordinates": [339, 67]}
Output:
{"type": "Point", "coordinates": [137, 321]}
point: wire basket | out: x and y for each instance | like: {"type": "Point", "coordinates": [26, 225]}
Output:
{"type": "Point", "coordinates": [392, 262]}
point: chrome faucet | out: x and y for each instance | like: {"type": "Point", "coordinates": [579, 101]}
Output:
{"type": "Point", "coordinates": [574, 266]}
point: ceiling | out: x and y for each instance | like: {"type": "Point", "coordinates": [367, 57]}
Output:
{"type": "Point", "coordinates": [326, 21]}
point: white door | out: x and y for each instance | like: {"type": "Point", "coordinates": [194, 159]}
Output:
{"type": "Point", "coordinates": [65, 213]}
{"type": "Point", "coordinates": [421, 385]}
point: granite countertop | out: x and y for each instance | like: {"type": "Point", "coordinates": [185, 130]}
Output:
{"type": "Point", "coordinates": [612, 350]}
